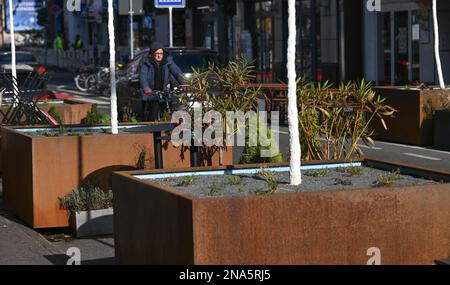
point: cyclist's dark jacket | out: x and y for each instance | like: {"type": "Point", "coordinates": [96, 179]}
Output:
{"type": "Point", "coordinates": [147, 74]}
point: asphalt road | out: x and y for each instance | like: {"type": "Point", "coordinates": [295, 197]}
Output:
{"type": "Point", "coordinates": [421, 156]}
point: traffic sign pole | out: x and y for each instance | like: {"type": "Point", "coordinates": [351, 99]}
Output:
{"type": "Point", "coordinates": [170, 4]}
{"type": "Point", "coordinates": [131, 31]}
{"type": "Point", "coordinates": [170, 27]}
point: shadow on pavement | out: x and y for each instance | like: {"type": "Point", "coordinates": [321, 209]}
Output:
{"type": "Point", "coordinates": [57, 259]}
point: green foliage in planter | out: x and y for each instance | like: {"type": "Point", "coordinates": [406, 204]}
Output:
{"type": "Point", "coordinates": [388, 179]}
{"type": "Point", "coordinates": [271, 180]}
{"type": "Point", "coordinates": [128, 116]}
{"type": "Point", "coordinates": [234, 180]}
{"type": "Point", "coordinates": [87, 197]}
{"type": "Point", "coordinates": [225, 89]}
{"type": "Point", "coordinates": [340, 117]}
{"type": "Point", "coordinates": [52, 112]}
{"type": "Point", "coordinates": [351, 170]}
{"type": "Point", "coordinates": [213, 189]}
{"type": "Point", "coordinates": [187, 181]}
{"type": "Point", "coordinates": [317, 173]}
{"type": "Point", "coordinates": [252, 154]}
{"type": "Point", "coordinates": [94, 117]}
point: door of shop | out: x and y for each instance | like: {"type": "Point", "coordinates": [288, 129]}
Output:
{"type": "Point", "coordinates": [400, 47]}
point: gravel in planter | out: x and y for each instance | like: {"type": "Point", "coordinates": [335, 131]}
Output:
{"type": "Point", "coordinates": [93, 130]}
{"type": "Point", "coordinates": [313, 180]}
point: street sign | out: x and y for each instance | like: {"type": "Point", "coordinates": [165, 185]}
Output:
{"type": "Point", "coordinates": [137, 6]}
{"type": "Point", "coordinates": [170, 3]}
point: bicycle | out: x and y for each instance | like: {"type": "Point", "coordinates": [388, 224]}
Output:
{"type": "Point", "coordinates": [169, 101]}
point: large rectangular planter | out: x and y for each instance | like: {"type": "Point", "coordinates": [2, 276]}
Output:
{"type": "Point", "coordinates": [70, 111]}
{"type": "Point", "coordinates": [410, 225]}
{"type": "Point", "coordinates": [442, 130]}
{"type": "Point", "coordinates": [38, 170]}
{"type": "Point", "coordinates": [413, 124]}
{"type": "Point", "coordinates": [92, 223]}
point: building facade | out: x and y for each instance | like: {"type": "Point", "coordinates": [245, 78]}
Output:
{"type": "Point", "coordinates": [399, 42]}
{"type": "Point", "coordinates": [337, 40]}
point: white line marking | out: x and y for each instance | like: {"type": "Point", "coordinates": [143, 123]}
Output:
{"type": "Point", "coordinates": [422, 156]}
{"type": "Point", "coordinates": [281, 132]}
{"type": "Point", "coordinates": [369, 147]}
{"type": "Point", "coordinates": [413, 147]}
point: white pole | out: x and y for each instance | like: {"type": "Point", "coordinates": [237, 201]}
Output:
{"type": "Point", "coordinates": [436, 46]}
{"type": "Point", "coordinates": [170, 27]}
{"type": "Point", "coordinates": [131, 29]}
{"type": "Point", "coordinates": [112, 67]}
{"type": "Point", "coordinates": [13, 45]}
{"type": "Point", "coordinates": [294, 137]}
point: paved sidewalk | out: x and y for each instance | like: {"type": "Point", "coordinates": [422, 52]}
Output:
{"type": "Point", "coordinates": [21, 245]}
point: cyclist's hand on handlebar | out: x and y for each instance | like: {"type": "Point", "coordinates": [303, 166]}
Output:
{"type": "Point", "coordinates": [148, 91]}
{"type": "Point", "coordinates": [184, 88]}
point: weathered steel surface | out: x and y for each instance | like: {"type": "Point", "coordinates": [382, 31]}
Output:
{"type": "Point", "coordinates": [413, 124]}
{"type": "Point", "coordinates": [442, 130]}
{"type": "Point", "coordinates": [410, 225]}
{"type": "Point", "coordinates": [155, 226]}
{"type": "Point", "coordinates": [38, 170]}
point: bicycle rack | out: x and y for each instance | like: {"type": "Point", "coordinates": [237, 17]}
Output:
{"type": "Point", "coordinates": [23, 110]}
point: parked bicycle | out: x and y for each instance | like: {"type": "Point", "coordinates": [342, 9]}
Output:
{"type": "Point", "coordinates": [95, 79]}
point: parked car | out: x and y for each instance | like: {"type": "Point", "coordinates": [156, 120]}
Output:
{"type": "Point", "coordinates": [26, 63]}
{"type": "Point", "coordinates": [129, 95]}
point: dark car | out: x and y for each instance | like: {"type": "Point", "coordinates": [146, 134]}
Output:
{"type": "Point", "coordinates": [26, 64]}
{"type": "Point", "coordinates": [128, 85]}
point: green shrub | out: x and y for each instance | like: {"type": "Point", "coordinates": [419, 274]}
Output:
{"type": "Point", "coordinates": [252, 154]}
{"type": "Point", "coordinates": [94, 117]}
{"type": "Point", "coordinates": [87, 197]}
{"type": "Point", "coordinates": [52, 112]}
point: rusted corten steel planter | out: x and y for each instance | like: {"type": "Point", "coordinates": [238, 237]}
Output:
{"type": "Point", "coordinates": [38, 170]}
{"type": "Point", "coordinates": [158, 225]}
{"type": "Point", "coordinates": [413, 124]}
{"type": "Point", "coordinates": [442, 130]}
{"type": "Point", "coordinates": [71, 111]}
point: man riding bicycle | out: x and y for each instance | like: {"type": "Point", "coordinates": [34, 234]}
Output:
{"type": "Point", "coordinates": [156, 75]}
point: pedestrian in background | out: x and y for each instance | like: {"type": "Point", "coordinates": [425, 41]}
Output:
{"type": "Point", "coordinates": [155, 74]}
{"type": "Point", "coordinates": [78, 43]}
{"type": "Point", "coordinates": [58, 43]}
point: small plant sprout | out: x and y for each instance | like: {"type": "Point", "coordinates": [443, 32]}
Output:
{"type": "Point", "coordinates": [234, 180]}
{"type": "Point", "coordinates": [351, 170]}
{"type": "Point", "coordinates": [317, 173]}
{"type": "Point", "coordinates": [213, 189]}
{"type": "Point", "coordinates": [339, 181]}
{"type": "Point", "coordinates": [272, 185]}
{"type": "Point", "coordinates": [388, 179]}
{"type": "Point", "coordinates": [187, 181]}
{"type": "Point", "coordinates": [266, 174]}
{"type": "Point", "coordinates": [260, 192]}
